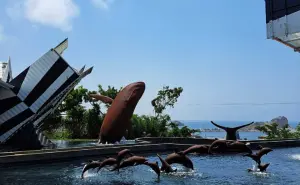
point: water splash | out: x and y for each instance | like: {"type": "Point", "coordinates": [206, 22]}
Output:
{"type": "Point", "coordinates": [295, 156]}
{"type": "Point", "coordinates": [254, 168]}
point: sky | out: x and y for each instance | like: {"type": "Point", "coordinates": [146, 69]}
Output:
{"type": "Point", "coordinates": [217, 51]}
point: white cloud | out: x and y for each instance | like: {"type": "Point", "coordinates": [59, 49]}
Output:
{"type": "Point", "coordinates": [104, 4]}
{"type": "Point", "coordinates": [55, 13]}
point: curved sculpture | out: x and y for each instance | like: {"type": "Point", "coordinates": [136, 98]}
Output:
{"type": "Point", "coordinates": [121, 155]}
{"type": "Point", "coordinates": [258, 155]}
{"type": "Point", "coordinates": [131, 161]}
{"type": "Point", "coordinates": [154, 167]}
{"type": "Point", "coordinates": [179, 159]}
{"type": "Point", "coordinates": [90, 165]}
{"type": "Point", "coordinates": [117, 119]}
{"type": "Point", "coordinates": [107, 162]}
{"type": "Point", "coordinates": [165, 166]}
{"type": "Point", "coordinates": [231, 132]}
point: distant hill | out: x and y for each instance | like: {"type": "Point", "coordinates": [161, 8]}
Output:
{"type": "Point", "coordinates": [178, 123]}
{"type": "Point", "coordinates": [280, 120]}
{"type": "Point", "coordinates": [252, 127]}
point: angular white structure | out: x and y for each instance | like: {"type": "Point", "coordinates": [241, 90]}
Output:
{"type": "Point", "coordinates": [29, 98]}
{"type": "Point", "coordinates": [283, 22]}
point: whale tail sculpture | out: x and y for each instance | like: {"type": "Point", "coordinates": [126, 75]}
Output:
{"type": "Point", "coordinates": [231, 131]}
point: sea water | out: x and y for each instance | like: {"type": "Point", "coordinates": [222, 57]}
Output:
{"type": "Point", "coordinates": [227, 169]}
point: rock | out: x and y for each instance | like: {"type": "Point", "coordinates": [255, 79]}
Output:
{"type": "Point", "coordinates": [280, 120]}
{"type": "Point", "coordinates": [178, 123]}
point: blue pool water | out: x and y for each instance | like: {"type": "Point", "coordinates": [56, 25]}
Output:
{"type": "Point", "coordinates": [229, 169]}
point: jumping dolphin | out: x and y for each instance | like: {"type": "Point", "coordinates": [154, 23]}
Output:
{"type": "Point", "coordinates": [219, 146]}
{"type": "Point", "coordinates": [165, 166]}
{"type": "Point", "coordinates": [107, 162]}
{"type": "Point", "coordinates": [231, 132]}
{"type": "Point", "coordinates": [121, 155]}
{"type": "Point", "coordinates": [261, 167]}
{"type": "Point", "coordinates": [257, 156]}
{"type": "Point", "coordinates": [131, 161]}
{"type": "Point", "coordinates": [117, 119]}
{"type": "Point", "coordinates": [199, 149]}
{"type": "Point", "coordinates": [239, 147]}
{"type": "Point", "coordinates": [179, 159]}
{"type": "Point", "coordinates": [90, 165]}
{"type": "Point", "coordinates": [154, 167]}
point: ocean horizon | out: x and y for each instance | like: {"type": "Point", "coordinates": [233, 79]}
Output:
{"type": "Point", "coordinates": [206, 124]}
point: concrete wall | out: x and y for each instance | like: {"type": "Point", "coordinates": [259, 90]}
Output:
{"type": "Point", "coordinates": [44, 156]}
{"type": "Point", "coordinates": [179, 140]}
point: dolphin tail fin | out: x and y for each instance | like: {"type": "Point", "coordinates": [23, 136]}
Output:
{"type": "Point", "coordinates": [243, 125]}
{"type": "Point", "coordinates": [162, 161]}
{"type": "Point", "coordinates": [219, 126]}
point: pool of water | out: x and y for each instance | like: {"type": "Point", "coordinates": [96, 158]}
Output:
{"type": "Point", "coordinates": [229, 169]}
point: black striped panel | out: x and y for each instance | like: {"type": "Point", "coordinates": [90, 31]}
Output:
{"type": "Point", "coordinates": [276, 9]}
{"type": "Point", "coordinates": [14, 121]}
{"type": "Point", "coordinates": [52, 74]}
{"type": "Point", "coordinates": [61, 88]}
{"type": "Point", "coordinates": [17, 82]}
{"type": "Point", "coordinates": [8, 103]}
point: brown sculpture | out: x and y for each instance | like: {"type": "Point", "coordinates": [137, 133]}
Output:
{"type": "Point", "coordinates": [117, 119]}
{"type": "Point", "coordinates": [231, 132]}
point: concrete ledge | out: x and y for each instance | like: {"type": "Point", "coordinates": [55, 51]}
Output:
{"type": "Point", "coordinates": [44, 156]}
{"type": "Point", "coordinates": [179, 140]}
{"type": "Point", "coordinates": [80, 152]}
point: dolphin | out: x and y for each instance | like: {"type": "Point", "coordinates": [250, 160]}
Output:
{"type": "Point", "coordinates": [219, 146]}
{"type": "Point", "coordinates": [231, 132]}
{"type": "Point", "coordinates": [131, 161]}
{"type": "Point", "coordinates": [261, 167]}
{"type": "Point", "coordinates": [107, 162]}
{"type": "Point", "coordinates": [165, 166]}
{"type": "Point", "coordinates": [117, 119]}
{"type": "Point", "coordinates": [257, 156]}
{"type": "Point", "coordinates": [90, 165]}
{"type": "Point", "coordinates": [154, 167]}
{"type": "Point", "coordinates": [121, 155]}
{"type": "Point", "coordinates": [179, 159]}
{"type": "Point", "coordinates": [199, 149]}
{"type": "Point", "coordinates": [239, 147]}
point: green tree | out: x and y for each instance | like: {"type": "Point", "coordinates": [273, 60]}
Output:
{"type": "Point", "coordinates": [274, 132]}
{"type": "Point", "coordinates": [75, 111]}
{"type": "Point", "coordinates": [109, 92]}
{"type": "Point", "coordinates": [53, 122]}
{"type": "Point", "coordinates": [166, 98]}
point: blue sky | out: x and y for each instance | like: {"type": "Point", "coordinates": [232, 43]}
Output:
{"type": "Point", "coordinates": [216, 50]}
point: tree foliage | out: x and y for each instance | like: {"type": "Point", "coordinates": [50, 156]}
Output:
{"type": "Point", "coordinates": [166, 98]}
{"type": "Point", "coordinates": [274, 132]}
{"type": "Point", "coordinates": [84, 116]}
